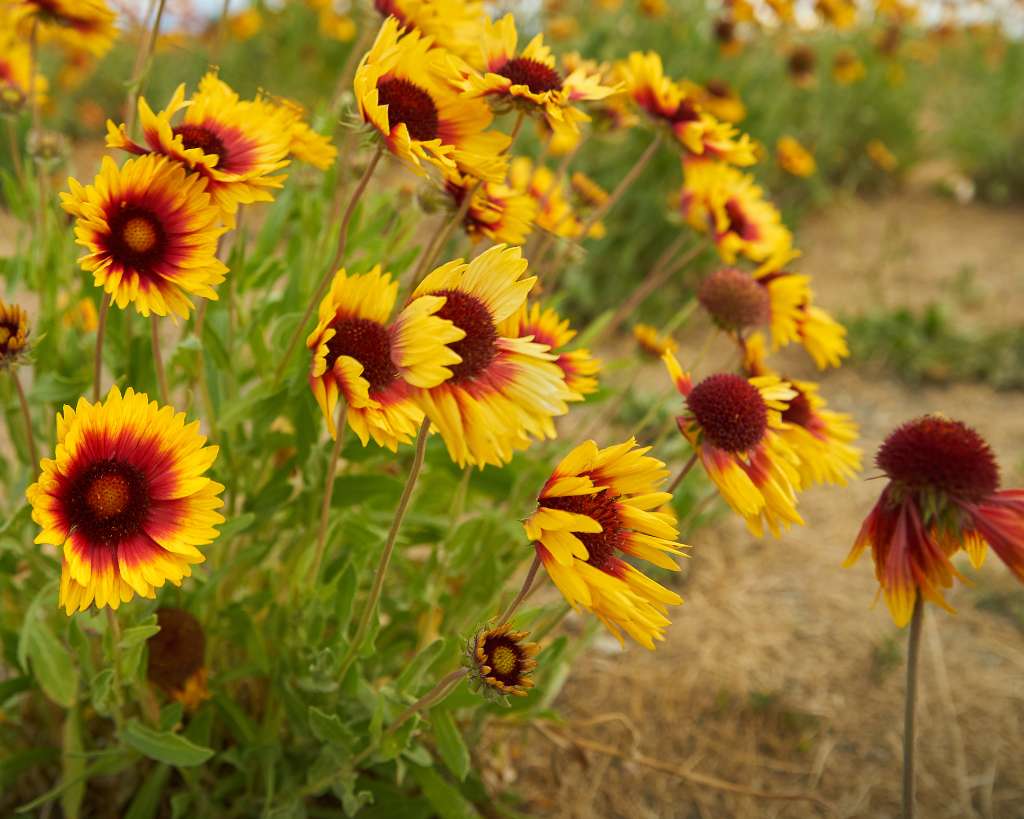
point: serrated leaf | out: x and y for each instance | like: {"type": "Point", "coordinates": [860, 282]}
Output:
{"type": "Point", "coordinates": [163, 746]}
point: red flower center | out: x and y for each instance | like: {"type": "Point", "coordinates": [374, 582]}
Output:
{"type": "Point", "coordinates": [409, 104]}
{"type": "Point", "coordinates": [738, 221]}
{"type": "Point", "coordinates": [938, 453]}
{"type": "Point", "coordinates": [734, 299]}
{"type": "Point", "coordinates": [601, 507]}
{"type": "Point", "coordinates": [199, 136]}
{"type": "Point", "coordinates": [730, 411]}
{"type": "Point", "coordinates": [136, 237]}
{"type": "Point", "coordinates": [107, 502]}
{"type": "Point", "coordinates": [533, 74]}
{"type": "Point", "coordinates": [368, 343]}
{"type": "Point", "coordinates": [480, 346]}
{"type": "Point", "coordinates": [799, 411]}
{"type": "Point", "coordinates": [685, 112]}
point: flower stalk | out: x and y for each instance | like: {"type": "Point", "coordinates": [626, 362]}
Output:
{"type": "Point", "coordinates": [26, 415]}
{"type": "Point", "coordinates": [910, 706]}
{"type": "Point", "coordinates": [325, 507]}
{"type": "Point", "coordinates": [101, 327]}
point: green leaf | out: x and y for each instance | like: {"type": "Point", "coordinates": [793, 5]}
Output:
{"type": "Point", "coordinates": [164, 746]}
{"type": "Point", "coordinates": [447, 800]}
{"type": "Point", "coordinates": [450, 744]}
{"type": "Point", "coordinates": [50, 661]}
{"type": "Point", "coordinates": [146, 802]}
{"type": "Point", "coordinates": [329, 728]}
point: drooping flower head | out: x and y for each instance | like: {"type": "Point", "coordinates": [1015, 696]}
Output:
{"type": "Point", "coordinates": [374, 364]}
{"type": "Point", "coordinates": [411, 94]}
{"type": "Point", "coordinates": [151, 230]}
{"type": "Point", "coordinates": [794, 158]}
{"type": "Point", "coordinates": [500, 662]}
{"type": "Point", "coordinates": [505, 390]}
{"type": "Point", "coordinates": [820, 437]}
{"type": "Point", "coordinates": [13, 334]}
{"type": "Point", "coordinates": [598, 506]}
{"type": "Point", "coordinates": [497, 211]}
{"type": "Point", "coordinates": [177, 657]}
{"type": "Point", "coordinates": [455, 25]}
{"type": "Point", "coordinates": [236, 145]}
{"type": "Point", "coordinates": [530, 79]}
{"type": "Point", "coordinates": [127, 499]}
{"type": "Point", "coordinates": [943, 496]}
{"type": "Point", "coordinates": [731, 208]}
{"type": "Point", "coordinates": [547, 327]}
{"type": "Point", "coordinates": [78, 24]}
{"type": "Point", "coordinates": [733, 424]}
{"type": "Point", "coordinates": [666, 103]}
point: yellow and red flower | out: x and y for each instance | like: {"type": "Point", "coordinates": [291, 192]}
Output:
{"type": "Point", "coordinates": [13, 334]}
{"type": "Point", "coordinates": [411, 94]}
{"type": "Point", "coordinates": [373, 365]}
{"type": "Point", "coordinates": [455, 25]}
{"type": "Point", "coordinates": [718, 98]}
{"type": "Point", "coordinates": [731, 208]}
{"type": "Point", "coordinates": [652, 342]}
{"type": "Point", "coordinates": [77, 24]}
{"type": "Point", "coordinates": [821, 438]}
{"type": "Point", "coordinates": [235, 145]}
{"type": "Point", "coordinates": [530, 78]}
{"type": "Point", "coordinates": [497, 211]}
{"type": "Point", "coordinates": [666, 103]}
{"type": "Point", "coordinates": [599, 504]}
{"type": "Point", "coordinates": [734, 425]}
{"type": "Point", "coordinates": [17, 85]}
{"type": "Point", "coordinates": [151, 230]}
{"type": "Point", "coordinates": [304, 143]}
{"type": "Point", "coordinates": [506, 389]}
{"type": "Point", "coordinates": [554, 213]}
{"type": "Point", "coordinates": [500, 661]}
{"type": "Point", "coordinates": [547, 327]}
{"type": "Point", "coordinates": [943, 496]}
{"type": "Point", "coordinates": [126, 498]}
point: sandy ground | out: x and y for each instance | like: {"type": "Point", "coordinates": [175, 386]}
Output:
{"type": "Point", "coordinates": [778, 675]}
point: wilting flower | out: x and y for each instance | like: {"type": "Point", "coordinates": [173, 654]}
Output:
{"type": "Point", "coordinates": [177, 657]}
{"type": "Point", "coordinates": [598, 504]}
{"type": "Point", "coordinates": [17, 85]}
{"type": "Point", "coordinates": [375, 365]}
{"type": "Point", "coordinates": [13, 334]}
{"type": "Point", "coordinates": [547, 327]}
{"type": "Point", "coordinates": [500, 661]}
{"type": "Point", "coordinates": [821, 438]}
{"type": "Point", "coordinates": [879, 153]}
{"type": "Point", "coordinates": [734, 425]}
{"type": "Point", "coordinates": [530, 79]}
{"type": "Point", "coordinates": [151, 231]}
{"type": "Point", "coordinates": [504, 390]}
{"type": "Point", "coordinates": [943, 496]}
{"type": "Point", "coordinates": [497, 211]}
{"type": "Point", "coordinates": [127, 499]}
{"type": "Point", "coordinates": [801, 64]}
{"type": "Point", "coordinates": [734, 300]}
{"type": "Point", "coordinates": [77, 24]}
{"type": "Point", "coordinates": [235, 145]}
{"type": "Point", "coordinates": [731, 207]}
{"type": "Point", "coordinates": [665, 103]}
{"type": "Point", "coordinates": [847, 67]}
{"type": "Point", "coordinates": [455, 25]}
{"type": "Point", "coordinates": [410, 93]}
{"type": "Point", "coordinates": [652, 342]}
{"type": "Point", "coordinates": [793, 157]}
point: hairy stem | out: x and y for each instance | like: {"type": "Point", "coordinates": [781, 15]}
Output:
{"type": "Point", "coordinates": [913, 651]}
{"type": "Point", "coordinates": [30, 441]}
{"type": "Point", "coordinates": [678, 479]}
{"type": "Point", "coordinates": [341, 426]}
{"type": "Point", "coordinates": [523, 592]}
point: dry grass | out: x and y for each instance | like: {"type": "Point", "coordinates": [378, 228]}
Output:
{"type": "Point", "coordinates": [778, 675]}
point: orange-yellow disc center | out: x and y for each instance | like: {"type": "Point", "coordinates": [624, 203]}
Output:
{"type": "Point", "coordinates": [108, 496]}
{"type": "Point", "coordinates": [139, 234]}
{"type": "Point", "coordinates": [503, 660]}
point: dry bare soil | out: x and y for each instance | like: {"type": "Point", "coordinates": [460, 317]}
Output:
{"type": "Point", "coordinates": [778, 675]}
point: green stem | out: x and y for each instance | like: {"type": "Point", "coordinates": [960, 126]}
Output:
{"type": "Point", "coordinates": [341, 425]}
{"type": "Point", "coordinates": [143, 64]}
{"type": "Point", "coordinates": [30, 441]}
{"type": "Point", "coordinates": [370, 608]}
{"type": "Point", "coordinates": [158, 361]}
{"type": "Point", "coordinates": [531, 575]}
{"type": "Point", "coordinates": [101, 328]}
{"type": "Point", "coordinates": [913, 651]}
{"type": "Point", "coordinates": [682, 474]}
{"type": "Point", "coordinates": [339, 254]}
{"type": "Point", "coordinates": [115, 656]}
